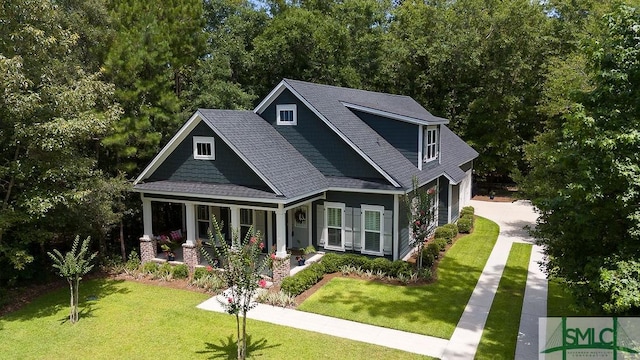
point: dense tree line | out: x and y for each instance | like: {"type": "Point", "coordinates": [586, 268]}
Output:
{"type": "Point", "coordinates": [93, 88]}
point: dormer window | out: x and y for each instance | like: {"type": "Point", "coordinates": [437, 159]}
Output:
{"type": "Point", "coordinates": [286, 114]}
{"type": "Point", "coordinates": [430, 142]}
{"type": "Point", "coordinates": [204, 148]}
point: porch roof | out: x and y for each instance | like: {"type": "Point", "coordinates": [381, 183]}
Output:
{"type": "Point", "coordinates": [208, 190]}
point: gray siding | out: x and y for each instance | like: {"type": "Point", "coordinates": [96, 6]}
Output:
{"type": "Point", "coordinates": [227, 168]}
{"type": "Point", "coordinates": [356, 199]}
{"type": "Point", "coordinates": [455, 202]}
{"type": "Point", "coordinates": [318, 143]}
{"type": "Point", "coordinates": [443, 201]}
{"type": "Point", "coordinates": [403, 136]}
{"type": "Point", "coordinates": [403, 231]}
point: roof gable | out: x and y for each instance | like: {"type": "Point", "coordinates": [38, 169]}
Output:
{"type": "Point", "coordinates": [260, 146]}
{"type": "Point", "coordinates": [334, 105]}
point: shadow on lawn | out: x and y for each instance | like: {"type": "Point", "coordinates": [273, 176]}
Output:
{"type": "Point", "coordinates": [227, 348]}
{"type": "Point", "coordinates": [91, 291]}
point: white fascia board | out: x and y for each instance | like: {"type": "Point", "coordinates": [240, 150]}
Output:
{"type": "Point", "coordinates": [390, 115]}
{"type": "Point", "coordinates": [269, 98]}
{"type": "Point", "coordinates": [206, 196]}
{"type": "Point", "coordinates": [171, 145]}
{"type": "Point", "coordinates": [370, 191]}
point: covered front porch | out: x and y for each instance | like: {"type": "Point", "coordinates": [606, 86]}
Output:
{"type": "Point", "coordinates": [184, 224]}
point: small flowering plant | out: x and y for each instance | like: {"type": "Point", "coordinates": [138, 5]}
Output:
{"type": "Point", "coordinates": [242, 265]}
{"type": "Point", "coordinates": [422, 216]}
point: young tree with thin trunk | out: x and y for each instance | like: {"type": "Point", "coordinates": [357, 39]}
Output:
{"type": "Point", "coordinates": [72, 266]}
{"type": "Point", "coordinates": [242, 267]}
{"type": "Point", "coordinates": [421, 217]}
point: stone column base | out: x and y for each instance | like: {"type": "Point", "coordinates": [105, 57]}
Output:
{"type": "Point", "coordinates": [190, 255]}
{"type": "Point", "coordinates": [148, 248]}
{"type": "Point", "coordinates": [281, 269]}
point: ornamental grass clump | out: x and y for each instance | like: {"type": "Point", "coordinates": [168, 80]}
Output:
{"type": "Point", "coordinates": [72, 266]}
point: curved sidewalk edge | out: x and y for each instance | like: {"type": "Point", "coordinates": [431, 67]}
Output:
{"type": "Point", "coordinates": [401, 340]}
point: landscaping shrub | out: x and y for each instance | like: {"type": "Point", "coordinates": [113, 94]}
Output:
{"type": "Point", "coordinates": [164, 271]}
{"type": "Point", "coordinates": [333, 262]}
{"type": "Point", "coordinates": [133, 263]}
{"type": "Point", "coordinates": [464, 225]}
{"type": "Point", "coordinates": [304, 280]}
{"type": "Point", "coordinates": [211, 282]}
{"type": "Point", "coordinates": [453, 228]}
{"type": "Point", "coordinates": [467, 210]}
{"type": "Point", "coordinates": [150, 268]}
{"type": "Point", "coordinates": [442, 243]}
{"type": "Point", "coordinates": [443, 233]}
{"type": "Point", "coordinates": [180, 271]}
{"type": "Point", "coordinates": [400, 268]}
{"type": "Point", "coordinates": [381, 264]}
{"type": "Point", "coordinates": [199, 273]}
{"type": "Point", "coordinates": [280, 298]}
{"type": "Point", "coordinates": [429, 254]}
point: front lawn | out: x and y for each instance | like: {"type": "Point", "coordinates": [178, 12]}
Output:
{"type": "Point", "coordinates": [500, 334]}
{"type": "Point", "coordinates": [432, 309]}
{"type": "Point", "coordinates": [127, 320]}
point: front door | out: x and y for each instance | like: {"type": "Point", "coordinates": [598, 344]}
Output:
{"type": "Point", "coordinates": [299, 224]}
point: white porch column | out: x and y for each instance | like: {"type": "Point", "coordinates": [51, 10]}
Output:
{"type": "Point", "coordinates": [191, 223]}
{"type": "Point", "coordinates": [234, 225]}
{"type": "Point", "coordinates": [146, 218]}
{"type": "Point", "coordinates": [281, 232]}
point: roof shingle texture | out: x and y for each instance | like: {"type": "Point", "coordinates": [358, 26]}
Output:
{"type": "Point", "coordinates": [266, 150]}
{"type": "Point", "coordinates": [327, 100]}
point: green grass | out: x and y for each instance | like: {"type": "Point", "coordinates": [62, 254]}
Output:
{"type": "Point", "coordinates": [500, 333]}
{"type": "Point", "coordinates": [127, 320]}
{"type": "Point", "coordinates": [432, 309]}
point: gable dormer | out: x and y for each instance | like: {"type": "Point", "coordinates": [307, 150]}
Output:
{"type": "Point", "coordinates": [418, 141]}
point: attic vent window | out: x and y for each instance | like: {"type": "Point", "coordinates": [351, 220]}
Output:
{"type": "Point", "coordinates": [286, 114]}
{"type": "Point", "coordinates": [203, 148]}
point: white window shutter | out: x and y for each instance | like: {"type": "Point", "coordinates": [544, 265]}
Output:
{"type": "Point", "coordinates": [320, 224]}
{"type": "Point", "coordinates": [357, 222]}
{"type": "Point", "coordinates": [388, 232]}
{"type": "Point", "coordinates": [348, 228]}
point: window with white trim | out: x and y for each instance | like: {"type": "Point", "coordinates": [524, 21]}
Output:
{"type": "Point", "coordinates": [372, 229]}
{"type": "Point", "coordinates": [204, 148]}
{"type": "Point", "coordinates": [334, 219]}
{"type": "Point", "coordinates": [430, 143]}
{"type": "Point", "coordinates": [286, 114]}
{"type": "Point", "coordinates": [246, 222]}
{"type": "Point", "coordinates": [204, 221]}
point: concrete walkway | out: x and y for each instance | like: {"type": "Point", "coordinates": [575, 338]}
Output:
{"type": "Point", "coordinates": [511, 217]}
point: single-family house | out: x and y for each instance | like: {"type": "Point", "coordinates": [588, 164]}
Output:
{"type": "Point", "coordinates": [311, 165]}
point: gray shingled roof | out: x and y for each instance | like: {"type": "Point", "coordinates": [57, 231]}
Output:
{"type": "Point", "coordinates": [267, 151]}
{"type": "Point", "coordinates": [327, 100]}
{"type": "Point", "coordinates": [204, 189]}
{"type": "Point", "coordinates": [395, 104]}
